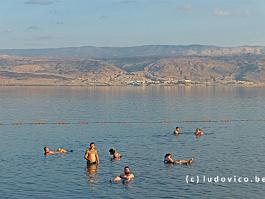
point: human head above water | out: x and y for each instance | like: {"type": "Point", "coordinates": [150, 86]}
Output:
{"type": "Point", "coordinates": [46, 149]}
{"type": "Point", "coordinates": [112, 151]}
{"type": "Point", "coordinates": [92, 145]}
{"type": "Point", "coordinates": [168, 155]}
{"type": "Point", "coordinates": [127, 170]}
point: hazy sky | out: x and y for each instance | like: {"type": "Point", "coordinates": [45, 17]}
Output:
{"type": "Point", "coordinates": [63, 23]}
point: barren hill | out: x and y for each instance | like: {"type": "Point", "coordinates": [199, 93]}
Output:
{"type": "Point", "coordinates": [123, 66]}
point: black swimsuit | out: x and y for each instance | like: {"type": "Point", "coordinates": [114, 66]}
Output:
{"type": "Point", "coordinates": [90, 163]}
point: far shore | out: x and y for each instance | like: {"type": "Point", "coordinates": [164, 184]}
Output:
{"type": "Point", "coordinates": [208, 84]}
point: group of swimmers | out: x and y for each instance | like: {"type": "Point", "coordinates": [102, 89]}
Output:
{"type": "Point", "coordinates": [168, 159]}
{"type": "Point", "coordinates": [198, 132]}
{"type": "Point", "coordinates": [92, 157]}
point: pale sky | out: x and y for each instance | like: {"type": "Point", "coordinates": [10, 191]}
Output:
{"type": "Point", "coordinates": [66, 23]}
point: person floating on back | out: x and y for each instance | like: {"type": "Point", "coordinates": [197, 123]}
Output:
{"type": "Point", "coordinates": [198, 132]}
{"type": "Point", "coordinates": [115, 154]}
{"type": "Point", "coordinates": [91, 154]}
{"type": "Point", "coordinates": [177, 131]}
{"type": "Point", "coordinates": [47, 151]}
{"type": "Point", "coordinates": [169, 160]}
{"type": "Point", "coordinates": [127, 175]}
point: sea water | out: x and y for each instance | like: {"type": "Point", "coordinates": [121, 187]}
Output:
{"type": "Point", "coordinates": [139, 123]}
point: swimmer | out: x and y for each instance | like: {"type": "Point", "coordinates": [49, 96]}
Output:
{"type": "Point", "coordinates": [198, 132]}
{"type": "Point", "coordinates": [169, 160]}
{"type": "Point", "coordinates": [47, 151]}
{"type": "Point", "coordinates": [91, 154]}
{"type": "Point", "coordinates": [127, 175]}
{"type": "Point", "coordinates": [115, 154]}
{"type": "Point", "coordinates": [177, 131]}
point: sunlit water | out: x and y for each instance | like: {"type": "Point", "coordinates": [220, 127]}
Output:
{"type": "Point", "coordinates": [138, 121]}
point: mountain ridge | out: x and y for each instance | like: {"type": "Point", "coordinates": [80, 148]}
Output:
{"type": "Point", "coordinates": [135, 51]}
{"type": "Point", "coordinates": [142, 65]}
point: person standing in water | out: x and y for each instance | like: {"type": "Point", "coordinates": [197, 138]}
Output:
{"type": "Point", "coordinates": [91, 154]}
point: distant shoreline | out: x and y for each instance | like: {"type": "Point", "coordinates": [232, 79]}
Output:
{"type": "Point", "coordinates": [126, 85]}
{"type": "Point", "coordinates": [194, 65]}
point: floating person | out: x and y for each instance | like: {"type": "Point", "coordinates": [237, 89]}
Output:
{"type": "Point", "coordinates": [169, 160]}
{"type": "Point", "coordinates": [47, 151]}
{"type": "Point", "coordinates": [198, 132]}
{"type": "Point", "coordinates": [177, 131]}
{"type": "Point", "coordinates": [91, 155]}
{"type": "Point", "coordinates": [115, 154]}
{"type": "Point", "coordinates": [126, 176]}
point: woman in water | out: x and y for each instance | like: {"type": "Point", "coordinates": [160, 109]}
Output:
{"type": "Point", "coordinates": [198, 132]}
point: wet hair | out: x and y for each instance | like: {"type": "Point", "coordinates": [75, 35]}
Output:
{"type": "Point", "coordinates": [168, 154]}
{"type": "Point", "coordinates": [127, 167]}
{"type": "Point", "coordinates": [112, 151]}
{"type": "Point", "coordinates": [45, 148]}
{"type": "Point", "coordinates": [177, 127]}
{"type": "Point", "coordinates": [198, 129]}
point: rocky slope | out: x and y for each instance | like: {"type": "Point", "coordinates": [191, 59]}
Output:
{"type": "Point", "coordinates": [199, 64]}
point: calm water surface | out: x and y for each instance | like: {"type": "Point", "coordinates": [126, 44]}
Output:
{"type": "Point", "coordinates": [138, 121]}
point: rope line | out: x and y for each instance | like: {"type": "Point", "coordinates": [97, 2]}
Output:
{"type": "Point", "coordinates": [62, 122]}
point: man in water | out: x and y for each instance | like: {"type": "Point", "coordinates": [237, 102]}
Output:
{"type": "Point", "coordinates": [177, 131]}
{"type": "Point", "coordinates": [115, 154]}
{"type": "Point", "coordinates": [169, 160]}
{"type": "Point", "coordinates": [91, 154]}
{"type": "Point", "coordinates": [127, 175]}
{"type": "Point", "coordinates": [47, 151]}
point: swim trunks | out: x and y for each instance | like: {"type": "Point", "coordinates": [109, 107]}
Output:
{"type": "Point", "coordinates": [91, 163]}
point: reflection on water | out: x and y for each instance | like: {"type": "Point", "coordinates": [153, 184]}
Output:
{"type": "Point", "coordinates": [92, 177]}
